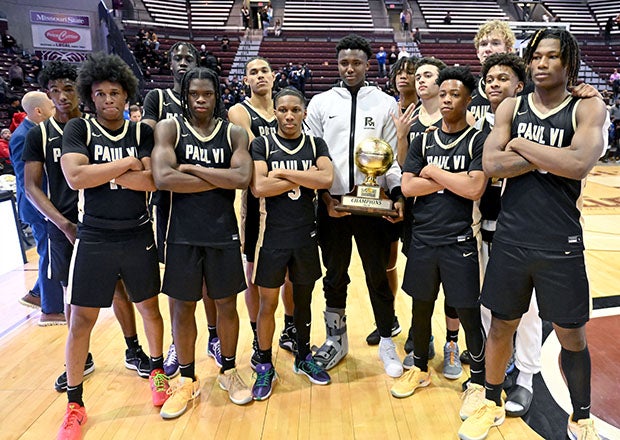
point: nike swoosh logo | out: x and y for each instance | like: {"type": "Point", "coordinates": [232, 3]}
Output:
{"type": "Point", "coordinates": [332, 117]}
{"type": "Point", "coordinates": [254, 118]}
{"type": "Point", "coordinates": [96, 135]}
{"type": "Point", "coordinates": [184, 135]}
{"type": "Point", "coordinates": [522, 113]}
{"type": "Point", "coordinates": [467, 254]}
{"type": "Point", "coordinates": [53, 138]}
{"type": "Point", "coordinates": [166, 104]}
{"type": "Point", "coordinates": [148, 248]}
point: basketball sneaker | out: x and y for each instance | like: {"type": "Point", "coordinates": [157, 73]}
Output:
{"type": "Point", "coordinates": [171, 363]}
{"type": "Point", "coordinates": [288, 339]}
{"type": "Point", "coordinates": [238, 392]}
{"type": "Point", "coordinates": [477, 426]}
{"type": "Point", "coordinates": [179, 396]}
{"type": "Point", "coordinates": [263, 385]}
{"type": "Point", "coordinates": [452, 368]}
{"type": "Point", "coordinates": [410, 381]}
{"type": "Point", "coordinates": [214, 351]}
{"type": "Point", "coordinates": [60, 384]}
{"type": "Point", "coordinates": [374, 338]}
{"type": "Point", "coordinates": [71, 428]}
{"type": "Point", "coordinates": [136, 359]}
{"type": "Point", "coordinates": [472, 399]}
{"type": "Point", "coordinates": [311, 370]}
{"type": "Point", "coordinates": [391, 362]}
{"type": "Point", "coordinates": [159, 387]}
{"type": "Point", "coordinates": [581, 430]}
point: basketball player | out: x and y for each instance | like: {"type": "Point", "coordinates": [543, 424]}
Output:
{"type": "Point", "coordinates": [202, 160]}
{"type": "Point", "coordinates": [107, 159]}
{"type": "Point", "coordinates": [288, 167]}
{"type": "Point", "coordinates": [413, 122]}
{"type": "Point", "coordinates": [60, 205]}
{"type": "Point", "coordinates": [344, 116]}
{"type": "Point", "coordinates": [443, 171]}
{"type": "Point", "coordinates": [163, 104]}
{"type": "Point", "coordinates": [544, 144]}
{"type": "Point", "coordinates": [256, 116]}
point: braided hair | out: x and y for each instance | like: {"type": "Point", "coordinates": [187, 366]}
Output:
{"type": "Point", "coordinates": [569, 50]}
{"type": "Point", "coordinates": [201, 73]}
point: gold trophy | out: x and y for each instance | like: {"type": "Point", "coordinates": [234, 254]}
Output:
{"type": "Point", "coordinates": [373, 156]}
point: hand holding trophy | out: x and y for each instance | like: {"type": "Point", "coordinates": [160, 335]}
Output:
{"type": "Point", "coordinates": [373, 156]}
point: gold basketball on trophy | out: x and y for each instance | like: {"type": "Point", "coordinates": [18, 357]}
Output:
{"type": "Point", "coordinates": [373, 156]}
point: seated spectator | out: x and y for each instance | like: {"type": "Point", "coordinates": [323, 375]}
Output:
{"type": "Point", "coordinates": [417, 36]}
{"type": "Point", "coordinates": [4, 90]}
{"type": "Point", "coordinates": [228, 99]}
{"type": "Point", "coordinates": [37, 65]}
{"type": "Point", "coordinates": [225, 43]}
{"type": "Point", "coordinates": [8, 43]}
{"type": "Point", "coordinates": [614, 81]}
{"type": "Point", "coordinates": [5, 137]}
{"type": "Point", "coordinates": [16, 75]}
{"type": "Point", "coordinates": [447, 19]}
{"type": "Point", "coordinates": [277, 28]}
{"type": "Point", "coordinates": [135, 113]}
{"type": "Point", "coordinates": [14, 107]}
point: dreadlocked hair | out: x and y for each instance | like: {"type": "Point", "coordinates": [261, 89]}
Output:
{"type": "Point", "coordinates": [569, 50]}
{"type": "Point", "coordinates": [105, 67]}
{"type": "Point", "coordinates": [57, 70]}
{"type": "Point", "coordinates": [201, 73]}
{"type": "Point", "coordinates": [404, 63]}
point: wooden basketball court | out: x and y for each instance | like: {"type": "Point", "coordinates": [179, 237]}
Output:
{"type": "Point", "coordinates": [357, 405]}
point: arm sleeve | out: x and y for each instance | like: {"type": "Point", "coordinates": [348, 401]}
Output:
{"type": "Point", "coordinates": [33, 147]}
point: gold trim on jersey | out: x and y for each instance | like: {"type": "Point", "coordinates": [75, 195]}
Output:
{"type": "Point", "coordinates": [454, 142]}
{"type": "Point", "coordinates": [200, 137]}
{"type": "Point", "coordinates": [104, 131]}
{"type": "Point", "coordinates": [247, 103]}
{"type": "Point", "coordinates": [553, 111]}
{"type": "Point", "coordinates": [287, 150]}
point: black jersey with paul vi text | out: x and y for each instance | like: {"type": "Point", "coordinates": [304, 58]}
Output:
{"type": "Point", "coordinates": [205, 218]}
{"type": "Point", "coordinates": [109, 206]}
{"type": "Point", "coordinates": [288, 219]}
{"type": "Point", "coordinates": [541, 210]}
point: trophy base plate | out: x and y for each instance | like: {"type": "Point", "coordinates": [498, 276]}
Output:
{"type": "Point", "coordinates": [367, 206]}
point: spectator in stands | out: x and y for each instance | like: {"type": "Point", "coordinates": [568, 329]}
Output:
{"type": "Point", "coordinates": [609, 25]}
{"type": "Point", "coordinates": [202, 54]}
{"type": "Point", "coordinates": [269, 12]}
{"type": "Point", "coordinates": [225, 42]}
{"type": "Point", "coordinates": [135, 113]}
{"type": "Point", "coordinates": [37, 65]}
{"type": "Point", "coordinates": [617, 21]}
{"type": "Point", "coordinates": [264, 19]}
{"type": "Point", "coordinates": [416, 36]}
{"type": "Point", "coordinates": [8, 43]}
{"type": "Point", "coordinates": [16, 75]}
{"type": "Point", "coordinates": [448, 18]}
{"type": "Point", "coordinates": [228, 99]}
{"type": "Point", "coordinates": [141, 36]}
{"type": "Point", "coordinates": [14, 107]}
{"type": "Point", "coordinates": [4, 90]}
{"type": "Point", "coordinates": [614, 81]}
{"type": "Point", "coordinates": [245, 17]}
{"type": "Point", "coordinates": [381, 57]}
{"type": "Point", "coordinates": [277, 28]}
{"type": "Point", "coordinates": [407, 25]}
{"type": "Point", "coordinates": [392, 55]}
{"type": "Point", "coordinates": [154, 41]}
{"type": "Point", "coordinates": [117, 8]}
{"type": "Point", "coordinates": [403, 53]}
{"type": "Point", "coordinates": [402, 20]}
{"type": "Point", "coordinates": [5, 155]}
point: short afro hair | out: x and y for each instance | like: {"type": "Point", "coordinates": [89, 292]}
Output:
{"type": "Point", "coordinates": [57, 70]}
{"type": "Point", "coordinates": [290, 91]}
{"type": "Point", "coordinates": [354, 41]}
{"type": "Point", "coordinates": [511, 60]}
{"type": "Point", "coordinates": [460, 73]}
{"type": "Point", "coordinates": [105, 67]}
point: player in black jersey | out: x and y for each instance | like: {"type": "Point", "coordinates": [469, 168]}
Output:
{"type": "Point", "coordinates": [256, 116]}
{"type": "Point", "coordinates": [202, 160]}
{"type": "Point", "coordinates": [163, 104]}
{"type": "Point", "coordinates": [59, 204]}
{"type": "Point", "coordinates": [107, 159]}
{"type": "Point", "coordinates": [288, 169]}
{"type": "Point", "coordinates": [545, 144]}
{"type": "Point", "coordinates": [443, 171]}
